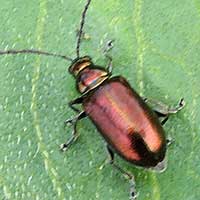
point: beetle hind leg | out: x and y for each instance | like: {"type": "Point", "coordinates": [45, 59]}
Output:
{"type": "Point", "coordinates": [161, 166]}
{"type": "Point", "coordinates": [163, 111]}
{"type": "Point", "coordinates": [133, 194]}
{"type": "Point", "coordinates": [75, 135]}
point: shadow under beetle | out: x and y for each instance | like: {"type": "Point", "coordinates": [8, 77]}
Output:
{"type": "Point", "coordinates": [131, 125]}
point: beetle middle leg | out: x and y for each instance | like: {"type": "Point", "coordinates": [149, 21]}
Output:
{"type": "Point", "coordinates": [78, 100]}
{"type": "Point", "coordinates": [73, 121]}
{"type": "Point", "coordinates": [75, 135]}
{"type": "Point", "coordinates": [131, 178]}
{"type": "Point", "coordinates": [163, 111]}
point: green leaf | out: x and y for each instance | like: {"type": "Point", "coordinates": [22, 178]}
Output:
{"type": "Point", "coordinates": [156, 48]}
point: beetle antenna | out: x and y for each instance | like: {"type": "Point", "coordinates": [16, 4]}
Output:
{"type": "Point", "coordinates": [32, 51]}
{"type": "Point", "coordinates": [82, 22]}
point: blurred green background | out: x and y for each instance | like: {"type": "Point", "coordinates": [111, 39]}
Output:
{"type": "Point", "coordinates": [157, 48]}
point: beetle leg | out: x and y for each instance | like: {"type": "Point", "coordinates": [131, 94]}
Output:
{"type": "Point", "coordinates": [109, 66]}
{"type": "Point", "coordinates": [74, 136]}
{"type": "Point", "coordinates": [161, 166]}
{"type": "Point", "coordinates": [169, 141]}
{"type": "Point", "coordinates": [131, 178]}
{"type": "Point", "coordinates": [163, 120]}
{"type": "Point", "coordinates": [78, 100]}
{"type": "Point", "coordinates": [163, 111]}
{"type": "Point", "coordinates": [108, 47]}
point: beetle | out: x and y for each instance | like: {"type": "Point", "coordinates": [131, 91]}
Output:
{"type": "Point", "coordinates": [130, 124]}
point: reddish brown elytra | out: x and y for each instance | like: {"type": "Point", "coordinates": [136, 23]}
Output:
{"type": "Point", "coordinates": [125, 120]}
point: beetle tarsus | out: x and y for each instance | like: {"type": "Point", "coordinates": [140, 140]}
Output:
{"type": "Point", "coordinates": [169, 141]}
{"type": "Point", "coordinates": [65, 146]}
{"type": "Point", "coordinates": [109, 45]}
{"type": "Point", "coordinates": [68, 122]}
{"type": "Point", "coordinates": [133, 194]}
{"type": "Point", "coordinates": [177, 108]}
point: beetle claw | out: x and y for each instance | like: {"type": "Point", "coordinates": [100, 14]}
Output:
{"type": "Point", "coordinates": [109, 45]}
{"type": "Point", "coordinates": [133, 193]}
{"type": "Point", "coordinates": [63, 147]}
{"type": "Point", "coordinates": [133, 196]}
{"type": "Point", "coordinates": [182, 103]}
{"type": "Point", "coordinates": [170, 141]}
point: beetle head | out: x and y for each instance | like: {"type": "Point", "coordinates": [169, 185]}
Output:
{"type": "Point", "coordinates": [79, 64]}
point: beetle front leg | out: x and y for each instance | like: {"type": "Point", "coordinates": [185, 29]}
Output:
{"type": "Point", "coordinates": [109, 66]}
{"type": "Point", "coordinates": [107, 48]}
{"type": "Point", "coordinates": [131, 178]}
{"type": "Point", "coordinates": [75, 135]}
{"type": "Point", "coordinates": [163, 111]}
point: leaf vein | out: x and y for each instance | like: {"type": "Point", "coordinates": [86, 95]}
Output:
{"type": "Point", "coordinates": [51, 171]}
